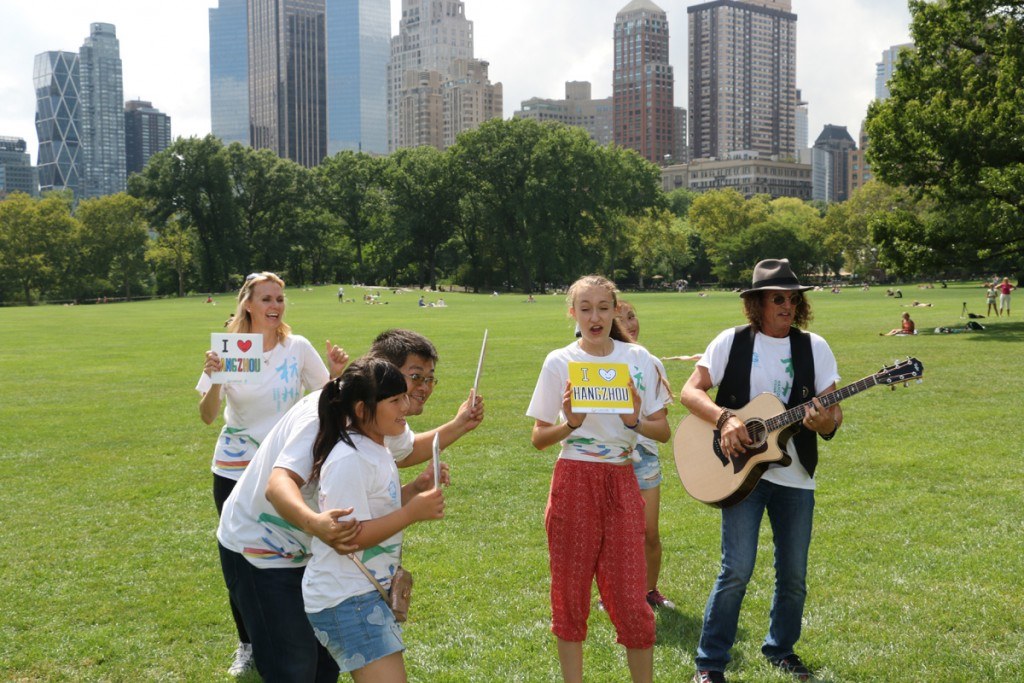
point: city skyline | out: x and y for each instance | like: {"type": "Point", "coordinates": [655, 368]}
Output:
{"type": "Point", "coordinates": [532, 52]}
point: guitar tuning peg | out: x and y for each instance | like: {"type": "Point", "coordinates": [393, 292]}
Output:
{"type": "Point", "coordinates": [906, 384]}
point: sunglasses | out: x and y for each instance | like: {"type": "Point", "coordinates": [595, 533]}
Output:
{"type": "Point", "coordinates": [780, 299]}
{"type": "Point", "coordinates": [422, 379]}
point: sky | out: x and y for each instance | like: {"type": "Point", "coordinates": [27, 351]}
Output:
{"type": "Point", "coordinates": [533, 47]}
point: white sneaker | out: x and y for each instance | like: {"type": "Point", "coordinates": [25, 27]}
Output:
{"type": "Point", "coordinates": [243, 660]}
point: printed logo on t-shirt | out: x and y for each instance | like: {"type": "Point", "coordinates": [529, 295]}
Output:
{"type": "Point", "coordinates": [782, 388]}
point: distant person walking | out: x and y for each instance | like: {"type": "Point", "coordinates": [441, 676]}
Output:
{"type": "Point", "coordinates": [1005, 288]}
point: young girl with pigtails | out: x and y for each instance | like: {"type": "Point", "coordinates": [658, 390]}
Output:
{"type": "Point", "coordinates": [595, 514]}
{"type": "Point", "coordinates": [356, 470]}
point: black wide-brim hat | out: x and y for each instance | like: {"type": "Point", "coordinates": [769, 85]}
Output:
{"type": "Point", "coordinates": [774, 275]}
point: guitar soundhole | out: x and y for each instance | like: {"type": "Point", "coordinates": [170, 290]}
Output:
{"type": "Point", "coordinates": [757, 431]}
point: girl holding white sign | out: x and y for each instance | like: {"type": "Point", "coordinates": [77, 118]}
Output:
{"type": "Point", "coordinates": [290, 366]}
{"type": "Point", "coordinates": [595, 514]}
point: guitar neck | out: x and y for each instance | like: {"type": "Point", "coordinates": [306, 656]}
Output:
{"type": "Point", "coordinates": [794, 415]}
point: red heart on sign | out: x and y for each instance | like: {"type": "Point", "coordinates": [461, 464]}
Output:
{"type": "Point", "coordinates": [245, 345]}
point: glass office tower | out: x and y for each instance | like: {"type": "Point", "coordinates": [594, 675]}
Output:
{"type": "Point", "coordinates": [58, 118]}
{"type": "Point", "coordinates": [229, 71]}
{"type": "Point", "coordinates": [287, 82]}
{"type": "Point", "coordinates": [147, 131]}
{"type": "Point", "coordinates": [358, 50]}
{"type": "Point", "coordinates": [102, 106]}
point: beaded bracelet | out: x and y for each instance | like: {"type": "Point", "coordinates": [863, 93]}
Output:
{"type": "Point", "coordinates": [723, 418]}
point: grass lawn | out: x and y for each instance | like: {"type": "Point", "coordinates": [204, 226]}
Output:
{"type": "Point", "coordinates": [108, 562]}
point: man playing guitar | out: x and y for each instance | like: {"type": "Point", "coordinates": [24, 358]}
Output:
{"type": "Point", "coordinates": [771, 354]}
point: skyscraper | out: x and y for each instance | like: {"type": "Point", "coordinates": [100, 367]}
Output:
{"type": "Point", "coordinates": [147, 131]}
{"type": "Point", "coordinates": [837, 143]}
{"type": "Point", "coordinates": [358, 50]}
{"type": "Point", "coordinates": [642, 84]}
{"type": "Point", "coordinates": [102, 106]}
{"type": "Point", "coordinates": [742, 85]}
{"type": "Point", "coordinates": [886, 68]}
{"type": "Point", "coordinates": [433, 35]}
{"type": "Point", "coordinates": [229, 71]}
{"type": "Point", "coordinates": [287, 78]}
{"type": "Point", "coordinates": [577, 109]}
{"type": "Point", "coordinates": [17, 174]}
{"type": "Point", "coordinates": [58, 118]}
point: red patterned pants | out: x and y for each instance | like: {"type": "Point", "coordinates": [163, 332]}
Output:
{"type": "Point", "coordinates": [595, 526]}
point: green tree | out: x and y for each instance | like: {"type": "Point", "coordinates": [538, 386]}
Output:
{"type": "Point", "coordinates": [659, 246]}
{"type": "Point", "coordinates": [425, 196]}
{"type": "Point", "coordinates": [953, 129]}
{"type": "Point", "coordinates": [36, 242]}
{"type": "Point", "coordinates": [112, 238]}
{"type": "Point", "coordinates": [174, 251]}
{"type": "Point", "coordinates": [351, 187]}
{"type": "Point", "coordinates": [268, 194]}
{"type": "Point", "coordinates": [190, 182]}
{"type": "Point", "coordinates": [496, 158]}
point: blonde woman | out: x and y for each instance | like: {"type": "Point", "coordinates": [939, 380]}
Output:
{"type": "Point", "coordinates": [291, 367]}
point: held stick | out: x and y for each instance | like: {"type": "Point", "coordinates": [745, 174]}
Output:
{"type": "Point", "coordinates": [437, 460]}
{"type": "Point", "coordinates": [479, 367]}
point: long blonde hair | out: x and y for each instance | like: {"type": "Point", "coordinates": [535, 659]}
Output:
{"type": "Point", "coordinates": [242, 322]}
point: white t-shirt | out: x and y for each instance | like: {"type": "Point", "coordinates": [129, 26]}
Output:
{"type": "Point", "coordinates": [363, 478]}
{"type": "Point", "coordinates": [252, 409]}
{"type": "Point", "coordinates": [249, 524]}
{"type": "Point", "coordinates": [602, 437]}
{"type": "Point", "coordinates": [650, 444]}
{"type": "Point", "coordinates": [771, 372]}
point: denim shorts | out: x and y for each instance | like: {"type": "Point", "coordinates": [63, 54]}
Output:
{"type": "Point", "coordinates": [358, 630]}
{"type": "Point", "coordinates": [648, 470]}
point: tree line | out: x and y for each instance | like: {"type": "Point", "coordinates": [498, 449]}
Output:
{"type": "Point", "coordinates": [527, 206]}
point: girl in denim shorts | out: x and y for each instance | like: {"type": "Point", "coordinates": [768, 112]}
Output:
{"type": "Point", "coordinates": [648, 475]}
{"type": "Point", "coordinates": [356, 470]}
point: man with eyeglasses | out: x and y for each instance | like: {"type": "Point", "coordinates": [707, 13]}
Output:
{"type": "Point", "coordinates": [769, 354]}
{"type": "Point", "coordinates": [415, 356]}
{"type": "Point", "coordinates": [269, 520]}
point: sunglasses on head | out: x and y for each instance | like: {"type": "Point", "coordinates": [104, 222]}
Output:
{"type": "Point", "coordinates": [779, 299]}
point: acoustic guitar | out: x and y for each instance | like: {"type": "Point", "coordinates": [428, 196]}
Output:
{"type": "Point", "coordinates": [712, 477]}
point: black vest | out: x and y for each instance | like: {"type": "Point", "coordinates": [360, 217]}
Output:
{"type": "Point", "coordinates": [734, 389]}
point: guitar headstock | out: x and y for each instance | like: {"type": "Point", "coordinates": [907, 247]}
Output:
{"type": "Point", "coordinates": [903, 371]}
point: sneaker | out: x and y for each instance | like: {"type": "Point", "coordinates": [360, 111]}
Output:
{"type": "Point", "coordinates": [243, 660]}
{"type": "Point", "coordinates": [705, 676]}
{"type": "Point", "coordinates": [792, 665]}
{"type": "Point", "coordinates": [655, 599]}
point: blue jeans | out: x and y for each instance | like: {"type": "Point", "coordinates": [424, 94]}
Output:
{"type": "Point", "coordinates": [270, 602]}
{"type": "Point", "coordinates": [790, 511]}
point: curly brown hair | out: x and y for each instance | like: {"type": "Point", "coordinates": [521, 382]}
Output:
{"type": "Point", "coordinates": [753, 308]}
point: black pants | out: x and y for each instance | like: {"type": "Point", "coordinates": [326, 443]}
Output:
{"type": "Point", "coordinates": [222, 487]}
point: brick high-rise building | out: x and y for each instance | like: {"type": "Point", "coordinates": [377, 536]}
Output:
{"type": "Point", "coordinates": [642, 82]}
{"type": "Point", "coordinates": [742, 85]}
